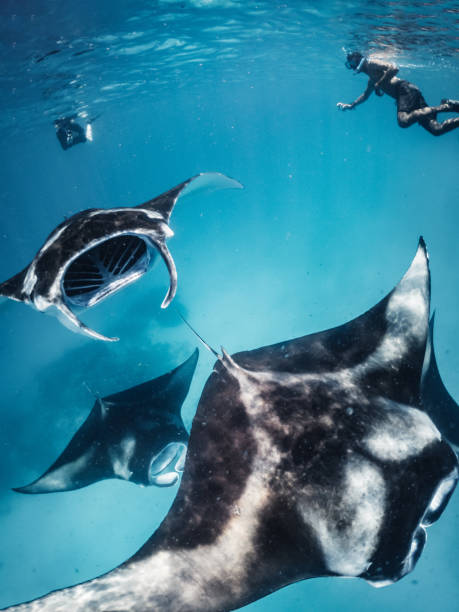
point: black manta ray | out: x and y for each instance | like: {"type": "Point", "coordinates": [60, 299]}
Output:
{"type": "Point", "coordinates": [311, 457]}
{"type": "Point", "coordinates": [137, 435]}
{"type": "Point", "coordinates": [98, 251]}
{"type": "Point", "coordinates": [437, 402]}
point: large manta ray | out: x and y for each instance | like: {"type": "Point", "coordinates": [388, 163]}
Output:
{"type": "Point", "coordinates": [136, 435]}
{"type": "Point", "coordinates": [98, 251]}
{"type": "Point", "coordinates": [311, 457]}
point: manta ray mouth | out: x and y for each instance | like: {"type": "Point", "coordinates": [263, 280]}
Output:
{"type": "Point", "coordinates": [106, 268]}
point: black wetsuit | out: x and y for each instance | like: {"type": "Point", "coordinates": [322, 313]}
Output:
{"type": "Point", "coordinates": [409, 97]}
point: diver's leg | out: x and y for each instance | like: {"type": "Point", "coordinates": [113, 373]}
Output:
{"type": "Point", "coordinates": [406, 119]}
{"type": "Point", "coordinates": [438, 128]}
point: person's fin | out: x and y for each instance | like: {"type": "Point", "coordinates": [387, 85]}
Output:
{"type": "Point", "coordinates": [454, 104]}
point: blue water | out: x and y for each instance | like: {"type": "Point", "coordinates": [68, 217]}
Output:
{"type": "Point", "coordinates": [327, 223]}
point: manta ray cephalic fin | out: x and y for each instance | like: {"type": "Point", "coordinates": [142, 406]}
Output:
{"type": "Point", "coordinates": [72, 322]}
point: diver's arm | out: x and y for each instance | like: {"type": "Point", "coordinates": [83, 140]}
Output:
{"type": "Point", "coordinates": [366, 94]}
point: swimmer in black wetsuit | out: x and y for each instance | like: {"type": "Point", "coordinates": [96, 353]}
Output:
{"type": "Point", "coordinates": [69, 132]}
{"type": "Point", "coordinates": [411, 106]}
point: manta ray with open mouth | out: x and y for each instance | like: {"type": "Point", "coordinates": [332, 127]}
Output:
{"type": "Point", "coordinates": [311, 457]}
{"type": "Point", "coordinates": [98, 251]}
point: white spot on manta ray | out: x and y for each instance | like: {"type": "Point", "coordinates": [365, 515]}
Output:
{"type": "Point", "coordinates": [407, 314]}
{"type": "Point", "coordinates": [121, 459]}
{"type": "Point", "coordinates": [405, 433]}
{"type": "Point", "coordinates": [360, 504]}
{"type": "Point", "coordinates": [443, 490]}
{"type": "Point", "coordinates": [59, 478]}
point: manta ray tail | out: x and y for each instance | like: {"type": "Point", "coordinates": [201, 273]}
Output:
{"type": "Point", "coordinates": [165, 203]}
{"type": "Point", "coordinates": [225, 359]}
{"type": "Point", "coordinates": [200, 338]}
{"type": "Point", "coordinates": [436, 400]}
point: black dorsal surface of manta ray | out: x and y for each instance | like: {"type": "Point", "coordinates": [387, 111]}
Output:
{"type": "Point", "coordinates": [136, 435]}
{"type": "Point", "coordinates": [311, 457]}
{"type": "Point", "coordinates": [436, 400]}
{"type": "Point", "coordinates": [98, 251]}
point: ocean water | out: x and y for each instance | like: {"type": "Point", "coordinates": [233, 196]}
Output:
{"type": "Point", "coordinates": [328, 221]}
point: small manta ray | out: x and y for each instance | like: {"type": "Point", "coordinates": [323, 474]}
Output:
{"type": "Point", "coordinates": [311, 457]}
{"type": "Point", "coordinates": [136, 435]}
{"type": "Point", "coordinates": [97, 252]}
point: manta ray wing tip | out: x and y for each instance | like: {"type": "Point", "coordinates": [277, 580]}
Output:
{"type": "Point", "coordinates": [423, 246]}
{"type": "Point", "coordinates": [23, 489]}
{"type": "Point", "coordinates": [226, 182]}
{"type": "Point", "coordinates": [211, 181]}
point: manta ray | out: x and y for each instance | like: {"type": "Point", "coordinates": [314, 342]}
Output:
{"type": "Point", "coordinates": [311, 457]}
{"type": "Point", "coordinates": [437, 401]}
{"type": "Point", "coordinates": [98, 251]}
{"type": "Point", "coordinates": [136, 435]}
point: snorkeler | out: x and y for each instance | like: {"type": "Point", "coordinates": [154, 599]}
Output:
{"type": "Point", "coordinates": [70, 133]}
{"type": "Point", "coordinates": [411, 106]}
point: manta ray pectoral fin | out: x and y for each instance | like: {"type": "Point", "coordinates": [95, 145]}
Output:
{"type": "Point", "coordinates": [59, 479]}
{"type": "Point", "coordinates": [179, 379]}
{"type": "Point", "coordinates": [210, 181]}
{"type": "Point", "coordinates": [168, 390]}
{"type": "Point", "coordinates": [72, 322]}
{"type": "Point", "coordinates": [165, 203]}
{"type": "Point", "coordinates": [435, 398]}
{"type": "Point", "coordinates": [13, 288]}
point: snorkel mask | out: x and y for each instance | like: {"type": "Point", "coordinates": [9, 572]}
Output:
{"type": "Point", "coordinates": [355, 61]}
